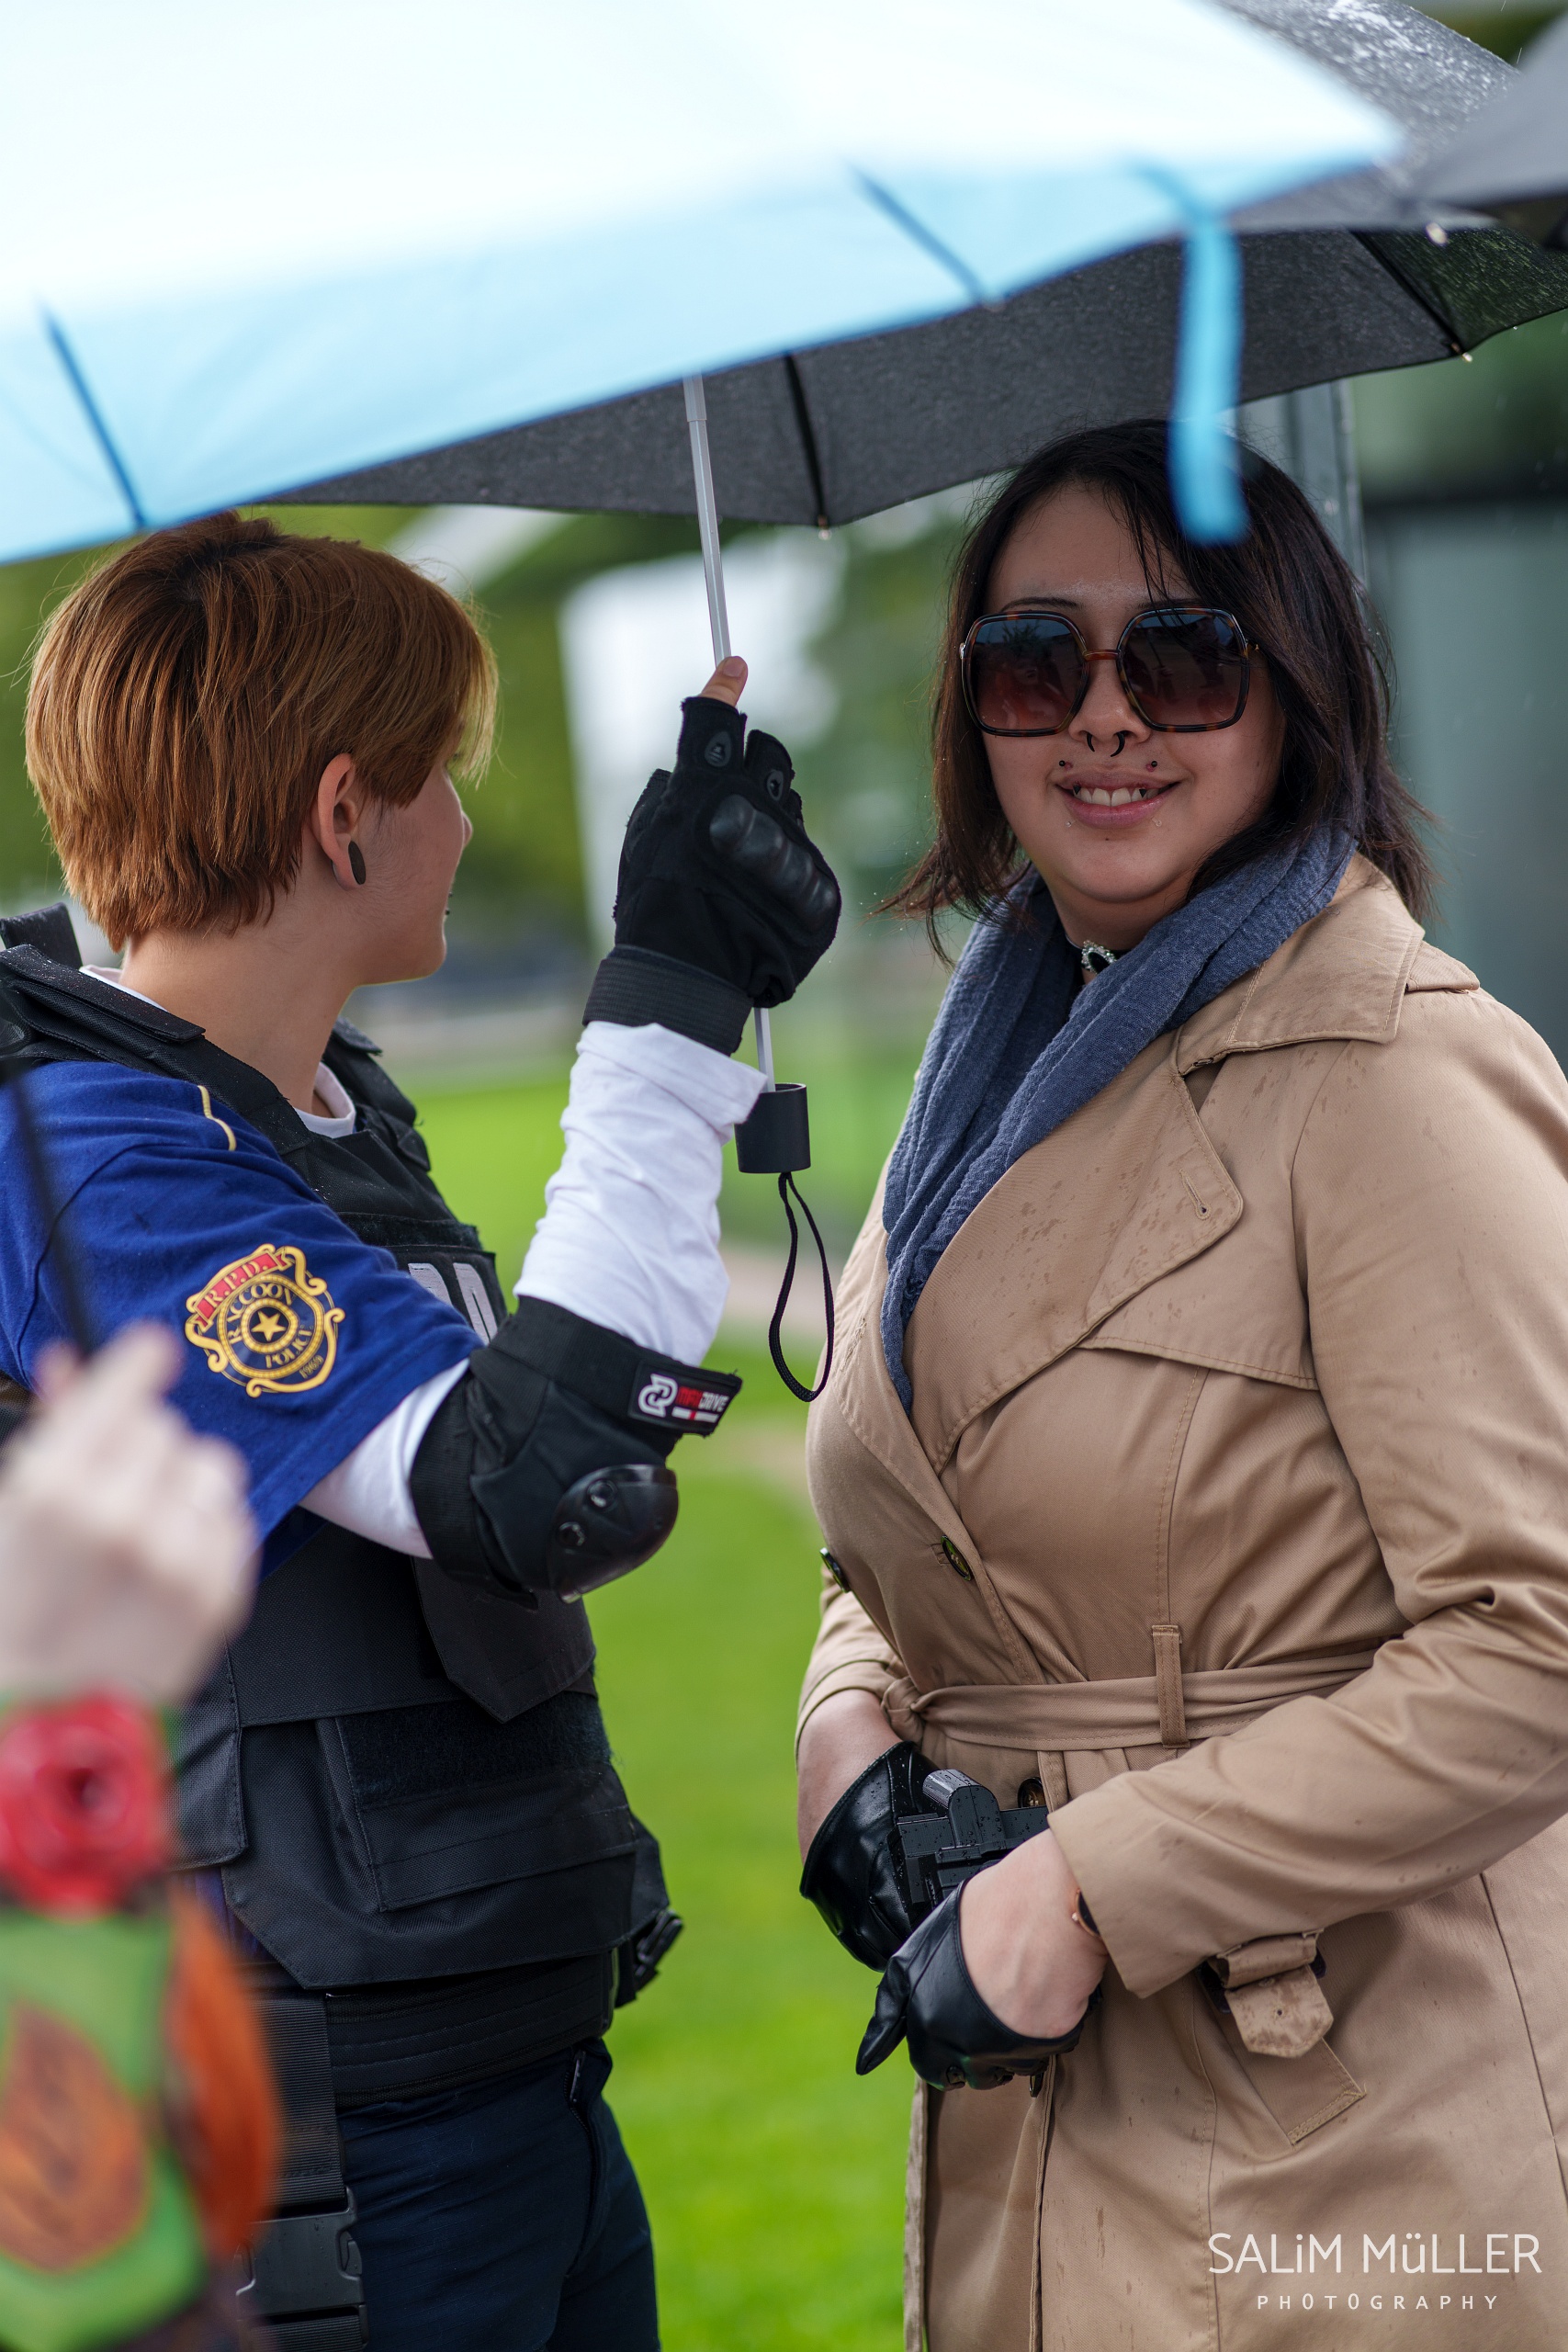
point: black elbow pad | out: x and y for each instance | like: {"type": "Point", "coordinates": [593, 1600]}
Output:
{"type": "Point", "coordinates": [544, 1470]}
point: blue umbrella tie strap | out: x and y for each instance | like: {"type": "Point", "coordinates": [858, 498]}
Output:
{"type": "Point", "coordinates": [1203, 478]}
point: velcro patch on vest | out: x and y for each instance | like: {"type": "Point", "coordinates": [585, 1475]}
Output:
{"type": "Point", "coordinates": [266, 1322]}
{"type": "Point", "coordinates": [671, 1400]}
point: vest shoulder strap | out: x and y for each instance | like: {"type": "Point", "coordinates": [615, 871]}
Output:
{"type": "Point", "coordinates": [72, 1016]}
{"type": "Point", "coordinates": [48, 929]}
{"type": "Point", "coordinates": [38, 956]}
{"type": "Point", "coordinates": [354, 1060]}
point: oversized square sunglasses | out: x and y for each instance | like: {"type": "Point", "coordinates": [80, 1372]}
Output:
{"type": "Point", "coordinates": [1183, 668]}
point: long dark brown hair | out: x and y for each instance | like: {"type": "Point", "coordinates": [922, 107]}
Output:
{"type": "Point", "coordinates": [1294, 596]}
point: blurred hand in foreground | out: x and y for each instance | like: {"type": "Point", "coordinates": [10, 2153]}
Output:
{"type": "Point", "coordinates": [127, 1549]}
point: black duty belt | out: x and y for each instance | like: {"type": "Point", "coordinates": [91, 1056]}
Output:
{"type": "Point", "coordinates": [306, 2280]}
{"type": "Point", "coordinates": [338, 2051]}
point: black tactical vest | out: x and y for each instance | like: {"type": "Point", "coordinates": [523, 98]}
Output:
{"type": "Point", "coordinates": [401, 1778]}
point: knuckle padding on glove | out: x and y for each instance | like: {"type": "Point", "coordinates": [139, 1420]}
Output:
{"type": "Point", "coordinates": [755, 841]}
{"type": "Point", "coordinates": [719, 876]}
{"type": "Point", "coordinates": [551, 1399]}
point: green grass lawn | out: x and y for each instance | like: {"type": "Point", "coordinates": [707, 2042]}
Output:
{"type": "Point", "coordinates": [497, 1144]}
{"type": "Point", "coordinates": [774, 2177]}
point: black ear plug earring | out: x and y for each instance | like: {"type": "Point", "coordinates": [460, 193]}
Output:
{"type": "Point", "coordinates": [356, 862]}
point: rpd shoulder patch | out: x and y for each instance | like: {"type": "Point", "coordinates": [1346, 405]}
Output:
{"type": "Point", "coordinates": [266, 1322]}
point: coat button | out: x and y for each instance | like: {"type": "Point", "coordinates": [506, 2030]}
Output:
{"type": "Point", "coordinates": [834, 1571]}
{"type": "Point", "coordinates": [956, 1561]}
{"type": "Point", "coordinates": [1031, 1793]}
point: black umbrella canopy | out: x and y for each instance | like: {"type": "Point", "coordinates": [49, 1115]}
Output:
{"type": "Point", "coordinates": [1340, 280]}
{"type": "Point", "coordinates": [1511, 158]}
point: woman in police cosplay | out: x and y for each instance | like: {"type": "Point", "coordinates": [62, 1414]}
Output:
{"type": "Point", "coordinates": [397, 1788]}
{"type": "Point", "coordinates": [1194, 1471]}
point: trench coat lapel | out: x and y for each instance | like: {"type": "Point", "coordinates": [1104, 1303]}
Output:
{"type": "Point", "coordinates": [1127, 1190]}
{"type": "Point", "coordinates": [916, 1517]}
{"type": "Point", "coordinates": [863, 1394]}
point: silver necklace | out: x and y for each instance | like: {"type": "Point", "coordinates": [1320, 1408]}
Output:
{"type": "Point", "coordinates": [1096, 960]}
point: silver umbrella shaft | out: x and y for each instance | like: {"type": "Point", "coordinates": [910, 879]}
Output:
{"type": "Point", "coordinates": [707, 515]}
{"type": "Point", "coordinates": [718, 613]}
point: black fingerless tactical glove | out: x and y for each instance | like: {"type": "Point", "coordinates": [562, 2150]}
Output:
{"type": "Point", "coordinates": [851, 1873]}
{"type": "Point", "coordinates": [724, 901]}
{"type": "Point", "coordinates": [955, 2040]}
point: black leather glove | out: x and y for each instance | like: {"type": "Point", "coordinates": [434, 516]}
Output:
{"type": "Point", "coordinates": [927, 1993]}
{"type": "Point", "coordinates": [724, 901]}
{"type": "Point", "coordinates": [849, 1872]}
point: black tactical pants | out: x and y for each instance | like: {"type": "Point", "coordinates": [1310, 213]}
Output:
{"type": "Point", "coordinates": [503, 2218]}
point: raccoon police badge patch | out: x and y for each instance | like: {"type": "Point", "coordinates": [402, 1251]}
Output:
{"type": "Point", "coordinates": [266, 1322]}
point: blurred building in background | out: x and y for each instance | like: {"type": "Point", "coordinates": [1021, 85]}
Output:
{"type": "Point", "coordinates": [1465, 492]}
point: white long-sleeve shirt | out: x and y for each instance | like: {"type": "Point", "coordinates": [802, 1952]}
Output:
{"type": "Point", "coordinates": [629, 1237]}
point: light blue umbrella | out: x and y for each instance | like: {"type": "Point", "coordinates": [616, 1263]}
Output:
{"type": "Point", "coordinates": [255, 243]}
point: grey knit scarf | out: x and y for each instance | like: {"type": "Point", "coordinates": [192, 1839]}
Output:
{"type": "Point", "coordinates": [1018, 1049]}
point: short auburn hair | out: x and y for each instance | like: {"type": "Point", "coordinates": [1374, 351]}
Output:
{"type": "Point", "coordinates": [187, 696]}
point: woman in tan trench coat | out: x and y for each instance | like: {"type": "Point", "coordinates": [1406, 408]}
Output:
{"type": "Point", "coordinates": [1229, 1509]}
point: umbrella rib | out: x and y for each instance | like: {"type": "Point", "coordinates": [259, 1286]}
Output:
{"type": "Point", "coordinates": [913, 226]}
{"type": "Point", "coordinates": [115, 464]}
{"type": "Point", "coordinates": [1409, 284]}
{"type": "Point", "coordinates": [808, 437]}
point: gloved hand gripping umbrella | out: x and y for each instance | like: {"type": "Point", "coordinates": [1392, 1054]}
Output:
{"type": "Point", "coordinates": [766, 840]}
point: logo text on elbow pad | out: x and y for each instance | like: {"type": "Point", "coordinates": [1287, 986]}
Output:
{"type": "Point", "coordinates": [690, 1404]}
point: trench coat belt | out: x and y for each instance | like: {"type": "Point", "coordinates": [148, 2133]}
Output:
{"type": "Point", "coordinates": [1276, 2006]}
{"type": "Point", "coordinates": [1072, 1717]}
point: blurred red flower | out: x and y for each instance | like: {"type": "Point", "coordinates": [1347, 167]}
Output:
{"type": "Point", "coordinates": [83, 1804]}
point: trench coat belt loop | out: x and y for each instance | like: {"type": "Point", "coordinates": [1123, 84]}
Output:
{"type": "Point", "coordinates": [1073, 1717]}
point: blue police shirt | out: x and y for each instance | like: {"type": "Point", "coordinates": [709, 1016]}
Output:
{"type": "Point", "coordinates": [298, 1337]}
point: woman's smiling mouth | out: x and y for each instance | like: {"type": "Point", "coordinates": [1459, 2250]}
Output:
{"type": "Point", "coordinates": [1115, 804]}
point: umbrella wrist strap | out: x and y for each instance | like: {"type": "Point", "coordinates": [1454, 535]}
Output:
{"type": "Point", "coordinates": [776, 1329]}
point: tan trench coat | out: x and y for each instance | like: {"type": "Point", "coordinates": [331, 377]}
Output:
{"type": "Point", "coordinates": [1234, 1510]}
